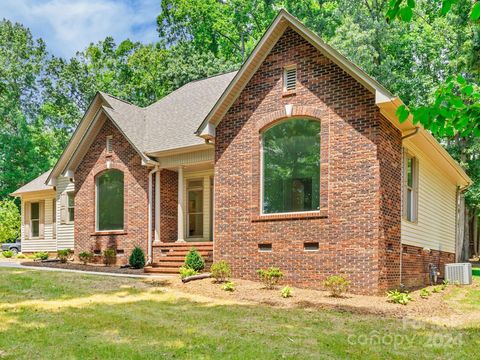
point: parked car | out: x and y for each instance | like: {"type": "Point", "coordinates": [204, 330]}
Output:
{"type": "Point", "coordinates": [15, 247]}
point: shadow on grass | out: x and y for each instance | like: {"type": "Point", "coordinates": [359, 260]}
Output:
{"type": "Point", "coordinates": [132, 320]}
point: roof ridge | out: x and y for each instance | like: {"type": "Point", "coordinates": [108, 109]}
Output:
{"type": "Point", "coordinates": [122, 100]}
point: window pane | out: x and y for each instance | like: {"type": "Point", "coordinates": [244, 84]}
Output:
{"type": "Point", "coordinates": [410, 172]}
{"type": "Point", "coordinates": [195, 225]}
{"type": "Point", "coordinates": [35, 211]}
{"type": "Point", "coordinates": [110, 200]}
{"type": "Point", "coordinates": [409, 204]}
{"type": "Point", "coordinates": [291, 166]}
{"type": "Point", "coordinates": [35, 228]}
{"type": "Point", "coordinates": [195, 213]}
{"type": "Point", "coordinates": [195, 201]}
{"type": "Point", "coordinates": [71, 214]}
{"type": "Point", "coordinates": [71, 199]}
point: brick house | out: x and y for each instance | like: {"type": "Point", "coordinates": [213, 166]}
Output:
{"type": "Point", "coordinates": [297, 160]}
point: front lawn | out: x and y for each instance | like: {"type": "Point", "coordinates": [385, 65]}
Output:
{"type": "Point", "coordinates": [46, 315]}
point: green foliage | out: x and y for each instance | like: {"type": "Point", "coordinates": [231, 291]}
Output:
{"type": "Point", "coordinates": [109, 257]}
{"type": "Point", "coordinates": [437, 289]}
{"type": "Point", "coordinates": [137, 258]}
{"type": "Point", "coordinates": [40, 256]}
{"type": "Point", "coordinates": [64, 254]}
{"type": "Point", "coordinates": [85, 257]}
{"type": "Point", "coordinates": [21, 256]}
{"type": "Point", "coordinates": [228, 286]}
{"type": "Point", "coordinates": [9, 221]}
{"type": "Point", "coordinates": [186, 271]}
{"type": "Point", "coordinates": [425, 293]}
{"type": "Point", "coordinates": [194, 260]}
{"type": "Point", "coordinates": [397, 297]}
{"type": "Point", "coordinates": [286, 292]}
{"type": "Point", "coordinates": [220, 270]}
{"type": "Point", "coordinates": [7, 254]}
{"type": "Point", "coordinates": [270, 277]}
{"type": "Point", "coordinates": [337, 285]}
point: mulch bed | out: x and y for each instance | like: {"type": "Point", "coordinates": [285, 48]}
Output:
{"type": "Point", "coordinates": [82, 267]}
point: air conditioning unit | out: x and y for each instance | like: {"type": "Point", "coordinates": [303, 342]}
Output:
{"type": "Point", "coordinates": [460, 273]}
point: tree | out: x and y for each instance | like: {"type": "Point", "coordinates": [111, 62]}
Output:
{"type": "Point", "coordinates": [9, 221]}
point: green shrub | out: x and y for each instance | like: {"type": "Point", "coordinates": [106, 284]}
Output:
{"type": "Point", "coordinates": [63, 255]}
{"type": "Point", "coordinates": [425, 293]}
{"type": "Point", "coordinates": [437, 289]}
{"type": "Point", "coordinates": [270, 277]}
{"type": "Point", "coordinates": [137, 258]}
{"type": "Point", "coordinates": [220, 270]}
{"type": "Point", "coordinates": [337, 285]}
{"type": "Point", "coordinates": [444, 284]}
{"type": "Point", "coordinates": [228, 286]}
{"type": "Point", "coordinates": [286, 292]}
{"type": "Point", "coordinates": [85, 257]}
{"type": "Point", "coordinates": [21, 256]}
{"type": "Point", "coordinates": [397, 297]}
{"type": "Point", "coordinates": [109, 256]}
{"type": "Point", "coordinates": [194, 260]}
{"type": "Point", "coordinates": [40, 256]}
{"type": "Point", "coordinates": [186, 272]}
{"type": "Point", "coordinates": [7, 253]}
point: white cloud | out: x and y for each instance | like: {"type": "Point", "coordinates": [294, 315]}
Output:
{"type": "Point", "coordinates": [70, 25]}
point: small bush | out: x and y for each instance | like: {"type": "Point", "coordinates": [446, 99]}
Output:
{"type": "Point", "coordinates": [63, 255]}
{"type": "Point", "coordinates": [425, 293]}
{"type": "Point", "coordinates": [40, 256]}
{"type": "Point", "coordinates": [337, 285]}
{"type": "Point", "coordinates": [85, 257]}
{"type": "Point", "coordinates": [286, 292]}
{"type": "Point", "coordinates": [444, 284]}
{"type": "Point", "coordinates": [194, 260]}
{"type": "Point", "coordinates": [137, 258]}
{"type": "Point", "coordinates": [186, 272]}
{"type": "Point", "coordinates": [109, 256]}
{"type": "Point", "coordinates": [220, 270]}
{"type": "Point", "coordinates": [270, 277]}
{"type": "Point", "coordinates": [228, 286]}
{"type": "Point", "coordinates": [21, 256]}
{"type": "Point", "coordinates": [397, 297]}
{"type": "Point", "coordinates": [437, 289]}
{"type": "Point", "coordinates": [7, 253]}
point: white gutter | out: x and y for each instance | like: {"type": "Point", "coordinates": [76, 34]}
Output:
{"type": "Point", "coordinates": [150, 195]}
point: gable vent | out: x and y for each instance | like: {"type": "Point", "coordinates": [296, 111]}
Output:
{"type": "Point", "coordinates": [109, 143]}
{"type": "Point", "coordinates": [290, 78]}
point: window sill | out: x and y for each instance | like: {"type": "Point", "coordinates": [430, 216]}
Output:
{"type": "Point", "coordinates": [322, 214]}
{"type": "Point", "coordinates": [289, 93]}
{"type": "Point", "coordinates": [107, 233]}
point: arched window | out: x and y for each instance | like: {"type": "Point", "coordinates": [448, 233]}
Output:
{"type": "Point", "coordinates": [291, 167]}
{"type": "Point", "coordinates": [109, 207]}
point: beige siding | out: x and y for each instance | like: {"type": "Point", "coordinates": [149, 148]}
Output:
{"type": "Point", "coordinates": [190, 158]}
{"type": "Point", "coordinates": [435, 228]}
{"type": "Point", "coordinates": [64, 229]}
{"type": "Point", "coordinates": [47, 242]}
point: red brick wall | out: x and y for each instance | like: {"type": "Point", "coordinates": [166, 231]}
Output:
{"type": "Point", "coordinates": [354, 221]}
{"type": "Point", "coordinates": [124, 158]}
{"type": "Point", "coordinates": [415, 262]}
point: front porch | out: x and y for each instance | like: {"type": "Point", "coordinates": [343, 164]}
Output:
{"type": "Point", "coordinates": [182, 213]}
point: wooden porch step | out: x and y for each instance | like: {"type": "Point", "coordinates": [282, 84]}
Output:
{"type": "Point", "coordinates": [160, 270]}
{"type": "Point", "coordinates": [188, 245]}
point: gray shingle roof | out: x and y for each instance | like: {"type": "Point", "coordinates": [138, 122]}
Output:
{"type": "Point", "coordinates": [37, 184]}
{"type": "Point", "coordinates": [171, 122]}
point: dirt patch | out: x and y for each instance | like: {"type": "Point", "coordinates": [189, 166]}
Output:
{"type": "Point", "coordinates": [82, 267]}
{"type": "Point", "coordinates": [435, 309]}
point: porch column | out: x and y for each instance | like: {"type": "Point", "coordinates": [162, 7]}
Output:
{"type": "Point", "coordinates": [181, 216]}
{"type": "Point", "coordinates": [157, 206]}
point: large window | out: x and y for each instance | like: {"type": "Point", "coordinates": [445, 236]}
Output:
{"type": "Point", "coordinates": [35, 219]}
{"type": "Point", "coordinates": [291, 167]}
{"type": "Point", "coordinates": [110, 201]}
{"type": "Point", "coordinates": [410, 188]}
{"type": "Point", "coordinates": [71, 206]}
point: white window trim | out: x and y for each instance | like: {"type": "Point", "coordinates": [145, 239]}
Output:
{"type": "Point", "coordinates": [261, 197]}
{"type": "Point", "coordinates": [31, 219]}
{"type": "Point", "coordinates": [96, 206]}
{"type": "Point", "coordinates": [415, 186]}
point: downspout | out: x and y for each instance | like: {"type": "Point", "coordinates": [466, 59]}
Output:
{"type": "Point", "coordinates": [415, 132]}
{"type": "Point", "coordinates": [150, 195]}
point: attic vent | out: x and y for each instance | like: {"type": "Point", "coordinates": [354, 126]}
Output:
{"type": "Point", "coordinates": [290, 78]}
{"type": "Point", "coordinates": [109, 143]}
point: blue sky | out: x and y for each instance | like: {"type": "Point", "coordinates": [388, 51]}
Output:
{"type": "Point", "coordinates": [70, 25]}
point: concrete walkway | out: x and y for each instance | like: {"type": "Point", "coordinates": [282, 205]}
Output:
{"type": "Point", "coordinates": [15, 265]}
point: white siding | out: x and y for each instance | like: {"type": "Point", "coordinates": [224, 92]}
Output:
{"type": "Point", "coordinates": [435, 228]}
{"type": "Point", "coordinates": [47, 242]}
{"type": "Point", "coordinates": [65, 230]}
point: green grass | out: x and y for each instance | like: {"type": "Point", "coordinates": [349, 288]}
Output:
{"type": "Point", "coordinates": [476, 271]}
{"type": "Point", "coordinates": [46, 315]}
